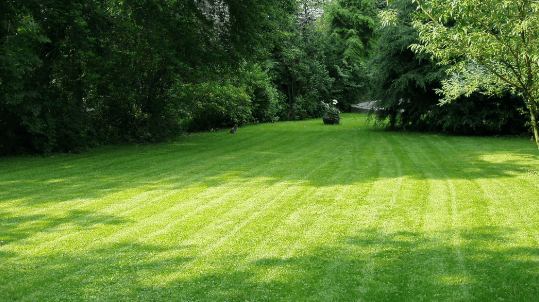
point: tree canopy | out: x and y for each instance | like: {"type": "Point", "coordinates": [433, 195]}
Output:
{"type": "Point", "coordinates": [405, 85]}
{"type": "Point", "coordinates": [80, 74]}
{"type": "Point", "coordinates": [76, 74]}
{"type": "Point", "coordinates": [490, 45]}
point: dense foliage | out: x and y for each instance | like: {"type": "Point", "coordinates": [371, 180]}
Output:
{"type": "Point", "coordinates": [403, 82]}
{"type": "Point", "coordinates": [298, 70]}
{"type": "Point", "coordinates": [76, 74]}
{"type": "Point", "coordinates": [79, 74]}
{"type": "Point", "coordinates": [406, 84]}
{"type": "Point", "coordinates": [349, 43]}
{"type": "Point", "coordinates": [321, 57]}
{"type": "Point", "coordinates": [491, 46]}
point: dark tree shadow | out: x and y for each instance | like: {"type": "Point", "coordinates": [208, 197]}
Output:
{"type": "Point", "coordinates": [15, 228]}
{"type": "Point", "coordinates": [463, 265]}
{"type": "Point", "coordinates": [344, 155]}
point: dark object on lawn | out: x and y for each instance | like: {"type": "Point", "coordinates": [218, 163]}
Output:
{"type": "Point", "coordinates": [331, 117]}
{"type": "Point", "coordinates": [234, 129]}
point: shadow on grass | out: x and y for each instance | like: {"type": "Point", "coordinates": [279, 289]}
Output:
{"type": "Point", "coordinates": [466, 265]}
{"type": "Point", "coordinates": [304, 152]}
{"type": "Point", "coordinates": [107, 273]}
{"type": "Point", "coordinates": [473, 264]}
{"type": "Point", "coordinates": [15, 228]}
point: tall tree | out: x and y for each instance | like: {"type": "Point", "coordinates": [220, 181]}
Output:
{"type": "Point", "coordinates": [351, 26]}
{"type": "Point", "coordinates": [490, 44]}
{"type": "Point", "coordinates": [298, 64]}
{"type": "Point", "coordinates": [403, 82]}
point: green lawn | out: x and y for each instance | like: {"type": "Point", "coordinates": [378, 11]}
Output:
{"type": "Point", "coordinates": [292, 211]}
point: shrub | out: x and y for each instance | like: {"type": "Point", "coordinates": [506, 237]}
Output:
{"type": "Point", "coordinates": [213, 104]}
{"type": "Point", "coordinates": [332, 115]}
{"type": "Point", "coordinates": [266, 100]}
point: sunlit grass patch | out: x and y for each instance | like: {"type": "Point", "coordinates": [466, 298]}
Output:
{"type": "Point", "coordinates": [294, 211]}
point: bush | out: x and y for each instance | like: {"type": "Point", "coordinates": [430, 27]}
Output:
{"type": "Point", "coordinates": [332, 115]}
{"type": "Point", "coordinates": [213, 104]}
{"type": "Point", "coordinates": [479, 114]}
{"type": "Point", "coordinates": [266, 100]}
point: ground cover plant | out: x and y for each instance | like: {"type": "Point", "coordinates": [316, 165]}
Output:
{"type": "Point", "coordinates": [290, 211]}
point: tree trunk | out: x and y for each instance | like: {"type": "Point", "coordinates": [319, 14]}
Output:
{"type": "Point", "coordinates": [534, 123]}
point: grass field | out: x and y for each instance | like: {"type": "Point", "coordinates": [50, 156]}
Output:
{"type": "Point", "coordinates": [292, 211]}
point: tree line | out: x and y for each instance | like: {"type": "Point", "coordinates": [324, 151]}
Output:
{"type": "Point", "coordinates": [79, 74]}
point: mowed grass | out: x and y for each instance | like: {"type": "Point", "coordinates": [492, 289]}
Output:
{"type": "Point", "coordinates": [292, 211]}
